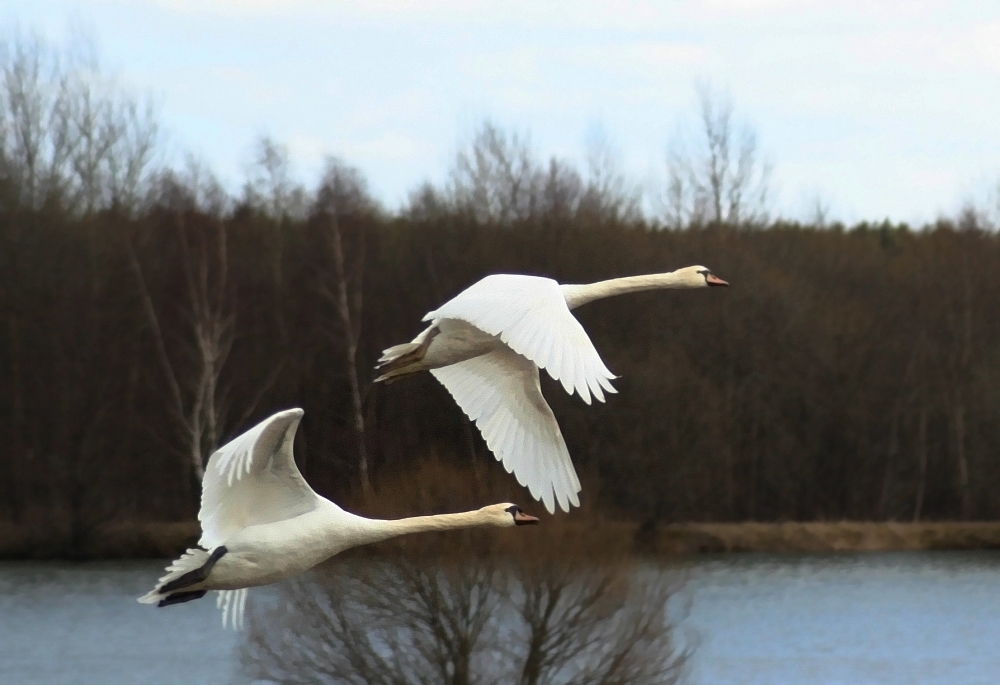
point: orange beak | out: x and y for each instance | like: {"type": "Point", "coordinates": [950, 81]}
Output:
{"type": "Point", "coordinates": [522, 519]}
{"type": "Point", "coordinates": [712, 279]}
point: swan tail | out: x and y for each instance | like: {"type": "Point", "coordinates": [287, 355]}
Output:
{"type": "Point", "coordinates": [402, 360]}
{"type": "Point", "coordinates": [190, 569]}
{"type": "Point", "coordinates": [393, 375]}
{"type": "Point", "coordinates": [395, 352]}
{"type": "Point", "coordinates": [398, 360]}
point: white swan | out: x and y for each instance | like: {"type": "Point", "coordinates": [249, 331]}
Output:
{"type": "Point", "coordinates": [486, 345]}
{"type": "Point", "coordinates": [261, 522]}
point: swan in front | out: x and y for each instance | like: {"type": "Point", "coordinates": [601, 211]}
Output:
{"type": "Point", "coordinates": [261, 522]}
{"type": "Point", "coordinates": [486, 345]}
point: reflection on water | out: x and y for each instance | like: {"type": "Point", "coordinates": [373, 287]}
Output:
{"type": "Point", "coordinates": [924, 618]}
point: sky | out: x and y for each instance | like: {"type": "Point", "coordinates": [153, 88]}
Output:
{"type": "Point", "coordinates": [885, 109]}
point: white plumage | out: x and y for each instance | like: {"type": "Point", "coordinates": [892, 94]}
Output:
{"type": "Point", "coordinates": [529, 314]}
{"type": "Point", "coordinates": [253, 480]}
{"type": "Point", "coordinates": [501, 393]}
{"type": "Point", "coordinates": [261, 522]}
{"type": "Point", "coordinates": [486, 346]}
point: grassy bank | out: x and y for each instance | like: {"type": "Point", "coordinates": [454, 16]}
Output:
{"type": "Point", "coordinates": [841, 536]}
{"type": "Point", "coordinates": [125, 540]}
{"type": "Point", "coordinates": [165, 539]}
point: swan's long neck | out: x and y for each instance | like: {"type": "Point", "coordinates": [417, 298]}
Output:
{"type": "Point", "coordinates": [577, 295]}
{"type": "Point", "coordinates": [377, 530]}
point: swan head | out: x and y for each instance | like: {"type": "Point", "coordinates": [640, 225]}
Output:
{"type": "Point", "coordinates": [699, 277]}
{"type": "Point", "coordinates": [507, 515]}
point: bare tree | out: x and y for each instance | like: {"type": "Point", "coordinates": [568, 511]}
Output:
{"type": "Point", "coordinates": [427, 203]}
{"type": "Point", "coordinates": [198, 398]}
{"type": "Point", "coordinates": [343, 197]}
{"type": "Point", "coordinates": [921, 450]}
{"type": "Point", "coordinates": [270, 185]}
{"type": "Point", "coordinates": [496, 177]}
{"type": "Point", "coordinates": [271, 189]}
{"type": "Point", "coordinates": [68, 132]}
{"type": "Point", "coordinates": [561, 190]}
{"type": "Point", "coordinates": [818, 211]}
{"type": "Point", "coordinates": [609, 194]}
{"type": "Point", "coordinates": [34, 124]}
{"type": "Point", "coordinates": [718, 176]}
{"type": "Point", "coordinates": [469, 620]}
{"type": "Point", "coordinates": [132, 150]}
{"type": "Point", "coordinates": [995, 209]}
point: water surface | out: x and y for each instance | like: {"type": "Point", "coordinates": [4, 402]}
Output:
{"type": "Point", "coordinates": [857, 619]}
{"type": "Point", "coordinates": [68, 624]}
{"type": "Point", "coordinates": [908, 618]}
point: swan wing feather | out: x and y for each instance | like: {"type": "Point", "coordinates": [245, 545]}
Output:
{"type": "Point", "coordinates": [232, 604]}
{"type": "Point", "coordinates": [500, 392]}
{"type": "Point", "coordinates": [253, 480]}
{"type": "Point", "coordinates": [530, 315]}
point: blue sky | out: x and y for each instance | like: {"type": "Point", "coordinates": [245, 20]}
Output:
{"type": "Point", "coordinates": [885, 109]}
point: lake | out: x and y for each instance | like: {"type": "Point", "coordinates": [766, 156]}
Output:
{"type": "Point", "coordinates": [885, 618]}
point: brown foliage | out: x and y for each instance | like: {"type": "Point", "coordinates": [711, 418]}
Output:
{"type": "Point", "coordinates": [845, 374]}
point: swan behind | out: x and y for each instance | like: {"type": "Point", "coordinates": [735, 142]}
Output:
{"type": "Point", "coordinates": [486, 346]}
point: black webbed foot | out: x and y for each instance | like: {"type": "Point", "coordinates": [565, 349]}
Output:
{"type": "Point", "coordinates": [196, 576]}
{"type": "Point", "coordinates": [181, 597]}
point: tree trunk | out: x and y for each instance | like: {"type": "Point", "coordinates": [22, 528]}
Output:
{"type": "Point", "coordinates": [921, 463]}
{"type": "Point", "coordinates": [351, 352]}
{"type": "Point", "coordinates": [890, 458]}
{"type": "Point", "coordinates": [962, 461]}
{"type": "Point", "coordinates": [17, 443]}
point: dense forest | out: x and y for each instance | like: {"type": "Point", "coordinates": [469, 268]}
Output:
{"type": "Point", "coordinates": [148, 315]}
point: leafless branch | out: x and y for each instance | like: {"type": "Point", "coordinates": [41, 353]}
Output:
{"type": "Point", "coordinates": [470, 619]}
{"type": "Point", "coordinates": [342, 195]}
{"type": "Point", "coordinates": [718, 176]}
{"type": "Point", "coordinates": [205, 268]}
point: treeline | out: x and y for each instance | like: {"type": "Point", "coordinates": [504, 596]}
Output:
{"type": "Point", "coordinates": [845, 374]}
{"type": "Point", "coordinates": [148, 315]}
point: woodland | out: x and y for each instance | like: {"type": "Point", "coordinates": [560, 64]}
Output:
{"type": "Point", "coordinates": [148, 314]}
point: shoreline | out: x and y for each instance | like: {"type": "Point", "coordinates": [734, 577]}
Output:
{"type": "Point", "coordinates": [167, 539]}
{"type": "Point", "coordinates": [818, 536]}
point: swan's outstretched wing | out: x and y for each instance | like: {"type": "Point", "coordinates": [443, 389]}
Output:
{"type": "Point", "coordinates": [529, 313]}
{"type": "Point", "coordinates": [501, 393]}
{"type": "Point", "coordinates": [252, 480]}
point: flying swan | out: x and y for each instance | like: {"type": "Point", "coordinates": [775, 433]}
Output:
{"type": "Point", "coordinates": [486, 345]}
{"type": "Point", "coordinates": [261, 522]}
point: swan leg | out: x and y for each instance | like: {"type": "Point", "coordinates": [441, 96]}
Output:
{"type": "Point", "coordinates": [181, 597]}
{"type": "Point", "coordinates": [190, 578]}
